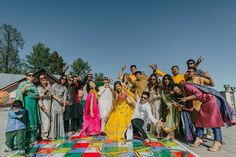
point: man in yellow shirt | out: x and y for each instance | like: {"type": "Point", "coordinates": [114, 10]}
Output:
{"type": "Point", "coordinates": [133, 69]}
{"type": "Point", "coordinates": [204, 80]}
{"type": "Point", "coordinates": [140, 83]}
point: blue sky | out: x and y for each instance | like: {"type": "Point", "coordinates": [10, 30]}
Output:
{"type": "Point", "coordinates": [109, 33]}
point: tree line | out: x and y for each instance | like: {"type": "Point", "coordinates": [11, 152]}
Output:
{"type": "Point", "coordinates": [41, 56]}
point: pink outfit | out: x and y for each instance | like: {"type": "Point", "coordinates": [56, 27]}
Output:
{"type": "Point", "coordinates": [91, 125]}
{"type": "Point", "coordinates": [209, 114]}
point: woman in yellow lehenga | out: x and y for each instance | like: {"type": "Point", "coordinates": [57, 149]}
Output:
{"type": "Point", "coordinates": [121, 113]}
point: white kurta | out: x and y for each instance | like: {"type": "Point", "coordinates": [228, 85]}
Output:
{"type": "Point", "coordinates": [104, 101]}
{"type": "Point", "coordinates": [105, 104]}
{"type": "Point", "coordinates": [45, 100]}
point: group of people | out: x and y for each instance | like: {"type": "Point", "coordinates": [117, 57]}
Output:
{"type": "Point", "coordinates": [163, 105]}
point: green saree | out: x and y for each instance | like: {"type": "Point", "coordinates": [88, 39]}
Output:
{"type": "Point", "coordinates": [172, 117]}
{"type": "Point", "coordinates": [29, 99]}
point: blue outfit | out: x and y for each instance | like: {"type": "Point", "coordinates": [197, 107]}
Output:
{"type": "Point", "coordinates": [188, 127]}
{"type": "Point", "coordinates": [15, 133]}
{"type": "Point", "coordinates": [15, 123]}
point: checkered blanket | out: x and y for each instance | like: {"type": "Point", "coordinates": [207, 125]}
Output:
{"type": "Point", "coordinates": [101, 146]}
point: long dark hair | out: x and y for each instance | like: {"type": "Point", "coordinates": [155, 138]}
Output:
{"type": "Point", "coordinates": [88, 88]}
{"type": "Point", "coordinates": [39, 82]}
{"type": "Point", "coordinates": [171, 84]}
{"type": "Point", "coordinates": [123, 78]}
{"type": "Point", "coordinates": [116, 83]}
{"type": "Point", "coordinates": [157, 85]}
{"type": "Point", "coordinates": [62, 77]}
{"type": "Point", "coordinates": [115, 91]}
{"type": "Point", "coordinates": [181, 87]}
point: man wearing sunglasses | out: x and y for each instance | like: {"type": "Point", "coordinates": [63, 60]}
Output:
{"type": "Point", "coordinates": [142, 114]}
{"type": "Point", "coordinates": [191, 63]}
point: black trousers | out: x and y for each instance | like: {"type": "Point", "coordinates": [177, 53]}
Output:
{"type": "Point", "coordinates": [73, 117]}
{"type": "Point", "coordinates": [138, 127]}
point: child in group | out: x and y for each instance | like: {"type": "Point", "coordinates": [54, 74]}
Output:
{"type": "Point", "coordinates": [16, 128]}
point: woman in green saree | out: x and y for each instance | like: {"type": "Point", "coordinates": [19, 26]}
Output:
{"type": "Point", "coordinates": [172, 116]}
{"type": "Point", "coordinates": [28, 94]}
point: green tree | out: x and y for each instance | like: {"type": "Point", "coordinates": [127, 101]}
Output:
{"type": "Point", "coordinates": [79, 66]}
{"type": "Point", "coordinates": [39, 57]}
{"type": "Point", "coordinates": [10, 43]}
{"type": "Point", "coordinates": [56, 63]}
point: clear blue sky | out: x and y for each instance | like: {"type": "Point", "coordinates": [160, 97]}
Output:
{"type": "Point", "coordinates": [109, 33]}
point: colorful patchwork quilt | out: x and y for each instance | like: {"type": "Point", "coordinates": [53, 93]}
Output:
{"type": "Point", "coordinates": [101, 146]}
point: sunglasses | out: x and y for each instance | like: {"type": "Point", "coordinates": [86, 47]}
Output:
{"type": "Point", "coordinates": [190, 63]}
{"type": "Point", "coordinates": [42, 78]}
{"type": "Point", "coordinates": [189, 71]}
{"type": "Point", "coordinates": [64, 78]}
{"type": "Point", "coordinates": [144, 97]}
{"type": "Point", "coordinates": [31, 75]}
{"type": "Point", "coordinates": [105, 79]}
{"type": "Point", "coordinates": [153, 79]}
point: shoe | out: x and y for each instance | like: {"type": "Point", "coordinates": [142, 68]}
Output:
{"type": "Point", "coordinates": [94, 134]}
{"type": "Point", "coordinates": [44, 138]}
{"type": "Point", "coordinates": [198, 142]}
{"type": "Point", "coordinates": [51, 138]}
{"type": "Point", "coordinates": [6, 149]}
{"type": "Point", "coordinates": [169, 136]}
{"type": "Point", "coordinates": [215, 146]}
{"type": "Point", "coordinates": [103, 134]}
{"type": "Point", "coordinates": [146, 142]}
{"type": "Point", "coordinates": [21, 153]}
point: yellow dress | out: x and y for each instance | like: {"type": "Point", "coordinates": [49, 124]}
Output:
{"type": "Point", "coordinates": [119, 119]}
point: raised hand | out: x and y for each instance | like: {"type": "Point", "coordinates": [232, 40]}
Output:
{"type": "Point", "coordinates": [112, 80]}
{"type": "Point", "coordinates": [153, 66]}
{"type": "Point", "coordinates": [123, 67]}
{"type": "Point", "coordinates": [87, 71]}
{"type": "Point", "coordinates": [200, 59]}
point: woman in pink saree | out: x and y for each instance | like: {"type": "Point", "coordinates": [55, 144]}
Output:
{"type": "Point", "coordinates": [91, 124]}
